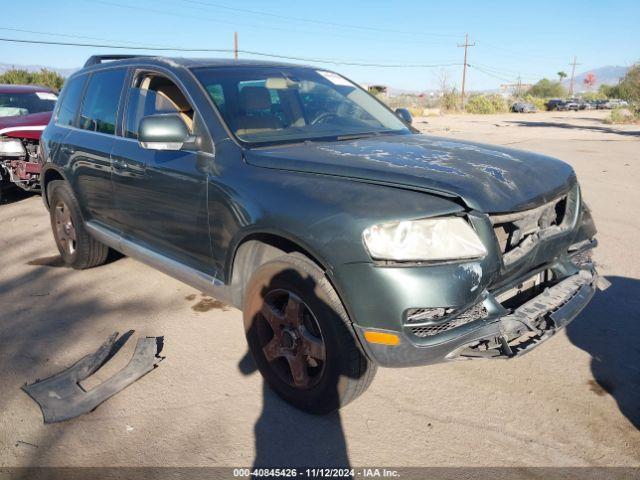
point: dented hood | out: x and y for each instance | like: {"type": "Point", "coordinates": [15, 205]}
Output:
{"type": "Point", "coordinates": [487, 178]}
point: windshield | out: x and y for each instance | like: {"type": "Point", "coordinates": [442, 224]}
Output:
{"type": "Point", "coordinates": [285, 104]}
{"type": "Point", "coordinates": [18, 104]}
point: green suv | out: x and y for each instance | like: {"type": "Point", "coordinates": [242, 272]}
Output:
{"type": "Point", "coordinates": [348, 239]}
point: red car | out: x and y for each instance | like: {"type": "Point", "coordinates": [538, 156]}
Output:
{"type": "Point", "coordinates": [24, 112]}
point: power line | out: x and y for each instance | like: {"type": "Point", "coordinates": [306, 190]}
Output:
{"type": "Point", "coordinates": [229, 50]}
{"type": "Point", "coordinates": [235, 24]}
{"type": "Point", "coordinates": [499, 77]}
{"type": "Point", "coordinates": [519, 54]}
{"type": "Point", "coordinates": [68, 35]}
{"type": "Point", "coordinates": [320, 22]}
{"type": "Point", "coordinates": [506, 71]}
{"type": "Point", "coordinates": [127, 42]}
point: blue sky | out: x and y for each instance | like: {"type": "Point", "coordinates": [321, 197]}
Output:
{"type": "Point", "coordinates": [531, 39]}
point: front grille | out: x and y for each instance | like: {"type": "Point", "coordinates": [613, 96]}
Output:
{"type": "Point", "coordinates": [447, 321]}
{"type": "Point", "coordinates": [518, 233]}
{"type": "Point", "coordinates": [419, 315]}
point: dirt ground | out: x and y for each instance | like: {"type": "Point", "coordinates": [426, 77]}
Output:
{"type": "Point", "coordinates": [574, 401]}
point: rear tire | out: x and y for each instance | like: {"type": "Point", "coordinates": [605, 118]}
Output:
{"type": "Point", "coordinates": [77, 248]}
{"type": "Point", "coordinates": [301, 338]}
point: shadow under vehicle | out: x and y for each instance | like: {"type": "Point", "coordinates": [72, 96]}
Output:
{"type": "Point", "coordinates": [349, 240]}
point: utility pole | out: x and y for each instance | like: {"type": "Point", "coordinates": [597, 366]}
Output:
{"type": "Point", "coordinates": [235, 45]}
{"type": "Point", "coordinates": [573, 72]}
{"type": "Point", "coordinates": [519, 86]}
{"type": "Point", "coordinates": [464, 67]}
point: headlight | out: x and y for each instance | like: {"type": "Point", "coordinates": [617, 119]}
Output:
{"type": "Point", "coordinates": [11, 147]}
{"type": "Point", "coordinates": [433, 239]}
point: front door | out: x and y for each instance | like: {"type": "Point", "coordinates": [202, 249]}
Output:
{"type": "Point", "coordinates": [161, 196]}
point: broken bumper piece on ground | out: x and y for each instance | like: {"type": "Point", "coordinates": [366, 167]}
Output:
{"type": "Point", "coordinates": [62, 398]}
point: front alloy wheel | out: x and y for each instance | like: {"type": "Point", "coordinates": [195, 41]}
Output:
{"type": "Point", "coordinates": [291, 339]}
{"type": "Point", "coordinates": [300, 336]}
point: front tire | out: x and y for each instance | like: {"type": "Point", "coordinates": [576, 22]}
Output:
{"type": "Point", "coordinates": [300, 336]}
{"type": "Point", "coordinates": [77, 248]}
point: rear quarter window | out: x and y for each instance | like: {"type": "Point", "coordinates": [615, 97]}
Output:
{"type": "Point", "coordinates": [70, 100]}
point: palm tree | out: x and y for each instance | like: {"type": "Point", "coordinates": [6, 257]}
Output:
{"type": "Point", "coordinates": [562, 75]}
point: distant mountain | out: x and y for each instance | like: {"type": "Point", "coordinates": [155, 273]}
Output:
{"type": "Point", "coordinates": [609, 75]}
{"type": "Point", "coordinates": [65, 72]}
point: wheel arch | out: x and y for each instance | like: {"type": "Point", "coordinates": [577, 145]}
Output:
{"type": "Point", "coordinates": [49, 174]}
{"type": "Point", "coordinates": [258, 248]}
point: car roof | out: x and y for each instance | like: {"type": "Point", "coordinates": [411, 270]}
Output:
{"type": "Point", "coordinates": [23, 88]}
{"type": "Point", "coordinates": [189, 63]}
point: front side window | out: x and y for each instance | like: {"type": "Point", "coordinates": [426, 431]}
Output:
{"type": "Point", "coordinates": [71, 96]}
{"type": "Point", "coordinates": [287, 104]}
{"type": "Point", "coordinates": [18, 104]}
{"type": "Point", "coordinates": [100, 105]}
{"type": "Point", "coordinates": [155, 94]}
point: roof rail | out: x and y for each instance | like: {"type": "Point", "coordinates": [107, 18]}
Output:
{"type": "Point", "coordinates": [98, 59]}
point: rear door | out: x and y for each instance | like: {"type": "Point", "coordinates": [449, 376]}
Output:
{"type": "Point", "coordinates": [161, 196]}
{"type": "Point", "coordinates": [89, 145]}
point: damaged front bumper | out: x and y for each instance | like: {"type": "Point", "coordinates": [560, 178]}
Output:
{"type": "Point", "coordinates": [502, 325]}
{"type": "Point", "coordinates": [536, 320]}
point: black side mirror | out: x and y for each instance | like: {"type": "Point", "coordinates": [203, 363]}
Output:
{"type": "Point", "coordinates": [163, 132]}
{"type": "Point", "coordinates": [404, 115]}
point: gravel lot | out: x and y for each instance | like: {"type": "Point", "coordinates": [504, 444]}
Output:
{"type": "Point", "coordinates": [574, 401]}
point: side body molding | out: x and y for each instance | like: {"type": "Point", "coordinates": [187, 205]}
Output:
{"type": "Point", "coordinates": [195, 278]}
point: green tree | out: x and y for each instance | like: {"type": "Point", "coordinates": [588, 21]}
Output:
{"type": "Point", "coordinates": [562, 75]}
{"type": "Point", "coordinates": [609, 91]}
{"type": "Point", "coordinates": [45, 77]}
{"type": "Point", "coordinates": [485, 104]}
{"type": "Point", "coordinates": [547, 88]}
{"type": "Point", "coordinates": [629, 86]}
{"type": "Point", "coordinates": [49, 78]}
{"type": "Point", "coordinates": [16, 77]}
{"type": "Point", "coordinates": [450, 100]}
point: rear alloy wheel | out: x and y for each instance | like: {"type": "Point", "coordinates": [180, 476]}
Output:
{"type": "Point", "coordinates": [77, 248]}
{"type": "Point", "coordinates": [300, 336]}
{"type": "Point", "coordinates": [65, 231]}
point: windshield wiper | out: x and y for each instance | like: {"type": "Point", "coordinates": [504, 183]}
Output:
{"type": "Point", "coordinates": [357, 136]}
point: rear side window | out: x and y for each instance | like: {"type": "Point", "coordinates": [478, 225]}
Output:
{"type": "Point", "coordinates": [100, 105]}
{"type": "Point", "coordinates": [70, 101]}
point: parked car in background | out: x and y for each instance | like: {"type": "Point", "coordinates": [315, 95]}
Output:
{"type": "Point", "coordinates": [554, 103]}
{"type": "Point", "coordinates": [581, 104]}
{"type": "Point", "coordinates": [567, 105]}
{"type": "Point", "coordinates": [25, 110]}
{"type": "Point", "coordinates": [616, 103]}
{"type": "Point", "coordinates": [348, 239]}
{"type": "Point", "coordinates": [523, 107]}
